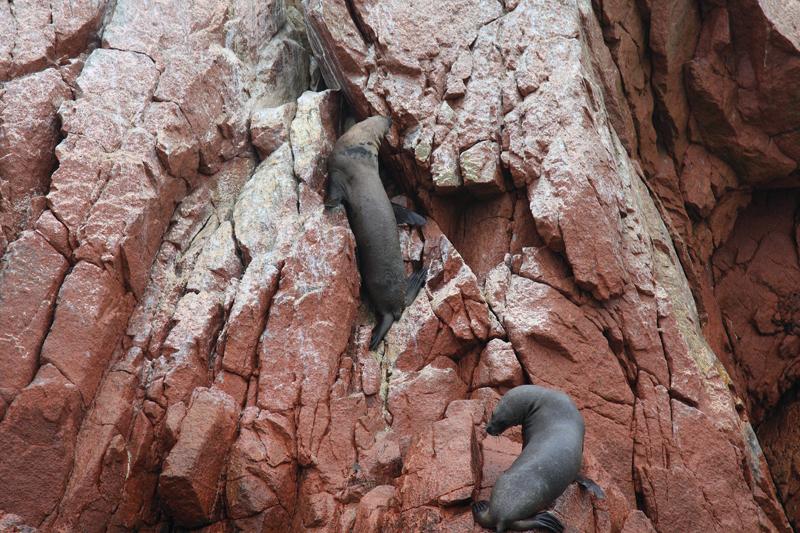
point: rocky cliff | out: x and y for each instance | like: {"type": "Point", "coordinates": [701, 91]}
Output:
{"type": "Point", "coordinates": [612, 194]}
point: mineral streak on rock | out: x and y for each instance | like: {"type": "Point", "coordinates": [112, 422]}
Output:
{"type": "Point", "coordinates": [612, 211]}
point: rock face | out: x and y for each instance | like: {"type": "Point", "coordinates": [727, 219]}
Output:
{"type": "Point", "coordinates": [612, 204]}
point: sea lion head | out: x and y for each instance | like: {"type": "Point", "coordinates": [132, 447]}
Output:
{"type": "Point", "coordinates": [510, 411]}
{"type": "Point", "coordinates": [362, 140]}
{"type": "Point", "coordinates": [502, 418]}
{"type": "Point", "coordinates": [374, 129]}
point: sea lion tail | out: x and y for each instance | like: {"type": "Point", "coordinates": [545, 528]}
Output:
{"type": "Point", "coordinates": [591, 486]}
{"type": "Point", "coordinates": [414, 284]}
{"type": "Point", "coordinates": [546, 520]}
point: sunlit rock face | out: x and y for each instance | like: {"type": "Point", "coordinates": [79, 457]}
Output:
{"type": "Point", "coordinates": [612, 211]}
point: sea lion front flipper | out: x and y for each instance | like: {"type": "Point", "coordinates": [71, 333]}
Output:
{"type": "Point", "coordinates": [387, 319]}
{"type": "Point", "coordinates": [480, 513]}
{"type": "Point", "coordinates": [414, 284]}
{"type": "Point", "coordinates": [336, 194]}
{"type": "Point", "coordinates": [403, 215]}
{"type": "Point", "coordinates": [591, 486]}
{"type": "Point", "coordinates": [337, 188]}
{"type": "Point", "coordinates": [546, 520]}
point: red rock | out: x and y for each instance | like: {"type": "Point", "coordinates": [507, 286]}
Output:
{"type": "Point", "coordinates": [543, 265]}
{"type": "Point", "coordinates": [497, 455]}
{"type": "Point", "coordinates": [101, 458]}
{"type": "Point", "coordinates": [341, 49]}
{"type": "Point", "coordinates": [778, 435]}
{"type": "Point", "coordinates": [480, 169]}
{"type": "Point", "coordinates": [262, 474]}
{"type": "Point", "coordinates": [233, 385]}
{"type": "Point", "coordinates": [269, 128]}
{"type": "Point", "coordinates": [218, 263]}
{"type": "Point", "coordinates": [370, 376]}
{"type": "Point", "coordinates": [455, 297]}
{"type": "Point", "coordinates": [383, 461]}
{"type": "Point", "coordinates": [313, 135]}
{"type": "Point", "coordinates": [418, 398]}
{"type": "Point", "coordinates": [373, 507]}
{"type": "Point", "coordinates": [248, 316]}
{"type": "Point", "coordinates": [174, 417]}
{"type": "Point", "coordinates": [441, 466]}
{"type": "Point", "coordinates": [267, 202]}
{"type": "Point", "coordinates": [14, 524]}
{"type": "Point", "coordinates": [724, 216]}
{"type": "Point", "coordinates": [429, 518]}
{"type": "Point", "coordinates": [674, 29]}
{"type": "Point", "coordinates": [186, 351]}
{"type": "Point", "coordinates": [418, 337]}
{"type": "Point", "coordinates": [498, 367]}
{"type": "Point", "coordinates": [255, 25]}
{"type": "Point", "coordinates": [483, 250]}
{"type": "Point", "coordinates": [28, 108]}
{"type": "Point", "coordinates": [187, 82]}
{"type": "Point", "coordinates": [189, 481]}
{"type": "Point", "coordinates": [89, 318]}
{"type": "Point", "coordinates": [106, 109]}
{"type": "Point", "coordinates": [318, 510]}
{"type": "Point", "coordinates": [38, 435]}
{"type": "Point", "coordinates": [637, 522]}
{"type": "Point", "coordinates": [176, 145]}
{"type": "Point", "coordinates": [217, 527]}
{"type": "Point", "coordinates": [34, 38]}
{"type": "Point", "coordinates": [596, 270]}
{"type": "Point", "coordinates": [30, 276]}
{"type": "Point", "coordinates": [75, 24]}
{"type": "Point", "coordinates": [759, 260]}
{"type": "Point", "coordinates": [308, 328]}
{"type": "Point", "coordinates": [54, 231]}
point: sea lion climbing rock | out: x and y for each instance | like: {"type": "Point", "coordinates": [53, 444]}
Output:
{"type": "Point", "coordinates": [551, 457]}
{"type": "Point", "coordinates": [354, 181]}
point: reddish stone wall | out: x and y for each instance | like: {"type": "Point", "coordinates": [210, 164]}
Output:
{"type": "Point", "coordinates": [611, 193]}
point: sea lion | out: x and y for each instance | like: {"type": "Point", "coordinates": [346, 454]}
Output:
{"type": "Point", "coordinates": [355, 182]}
{"type": "Point", "coordinates": [551, 457]}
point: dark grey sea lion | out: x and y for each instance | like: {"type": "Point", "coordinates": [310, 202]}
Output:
{"type": "Point", "coordinates": [551, 457]}
{"type": "Point", "coordinates": [354, 181]}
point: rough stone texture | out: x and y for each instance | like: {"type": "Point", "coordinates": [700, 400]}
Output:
{"type": "Point", "coordinates": [31, 274]}
{"type": "Point", "coordinates": [39, 432]}
{"type": "Point", "coordinates": [497, 366]}
{"type": "Point", "coordinates": [269, 128]}
{"type": "Point", "coordinates": [28, 136]}
{"type": "Point", "coordinates": [188, 484]}
{"type": "Point", "coordinates": [608, 188]}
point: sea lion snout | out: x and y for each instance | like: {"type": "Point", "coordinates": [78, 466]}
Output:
{"type": "Point", "coordinates": [492, 429]}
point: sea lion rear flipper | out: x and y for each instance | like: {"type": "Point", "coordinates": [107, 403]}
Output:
{"type": "Point", "coordinates": [591, 486]}
{"type": "Point", "coordinates": [546, 520]}
{"type": "Point", "coordinates": [404, 215]}
{"type": "Point", "coordinates": [414, 284]}
{"type": "Point", "coordinates": [387, 319]}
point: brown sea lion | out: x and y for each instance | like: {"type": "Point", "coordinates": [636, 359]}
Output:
{"type": "Point", "coordinates": [551, 457]}
{"type": "Point", "coordinates": [355, 182]}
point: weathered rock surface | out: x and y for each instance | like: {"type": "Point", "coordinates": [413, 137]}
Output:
{"type": "Point", "coordinates": [183, 341]}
